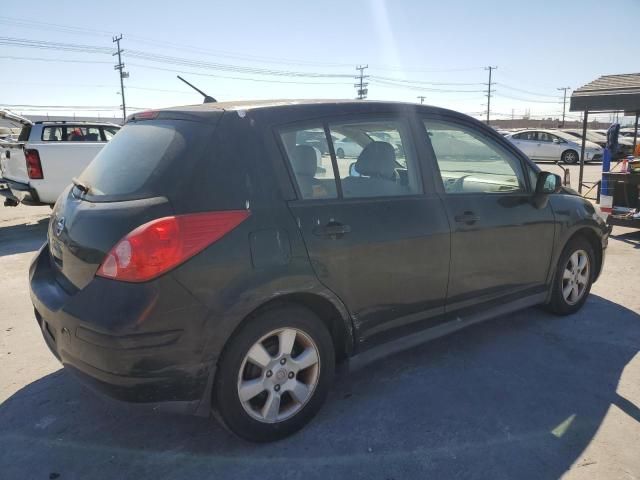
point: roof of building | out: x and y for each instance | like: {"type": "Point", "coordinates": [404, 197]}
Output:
{"type": "Point", "coordinates": [608, 93]}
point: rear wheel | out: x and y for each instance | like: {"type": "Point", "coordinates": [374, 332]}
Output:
{"type": "Point", "coordinates": [573, 279]}
{"type": "Point", "coordinates": [570, 157]}
{"type": "Point", "coordinates": [275, 374]}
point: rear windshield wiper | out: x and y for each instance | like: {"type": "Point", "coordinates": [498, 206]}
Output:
{"type": "Point", "coordinates": [83, 187]}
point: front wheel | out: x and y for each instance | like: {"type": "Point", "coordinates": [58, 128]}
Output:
{"type": "Point", "coordinates": [275, 374]}
{"type": "Point", "coordinates": [573, 278]}
{"type": "Point", "coordinates": [570, 157]}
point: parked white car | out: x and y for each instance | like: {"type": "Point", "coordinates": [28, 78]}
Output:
{"type": "Point", "coordinates": [554, 145]}
{"type": "Point", "coordinates": [47, 156]}
{"type": "Point", "coordinates": [346, 147]}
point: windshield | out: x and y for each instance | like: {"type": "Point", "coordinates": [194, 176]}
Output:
{"type": "Point", "coordinates": [564, 135]}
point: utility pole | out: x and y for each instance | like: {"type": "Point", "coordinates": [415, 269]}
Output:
{"type": "Point", "coordinates": [421, 97]}
{"type": "Point", "coordinates": [564, 102]}
{"type": "Point", "coordinates": [362, 85]}
{"type": "Point", "coordinates": [123, 74]}
{"type": "Point", "coordinates": [491, 69]}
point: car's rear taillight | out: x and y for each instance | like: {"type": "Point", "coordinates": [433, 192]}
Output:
{"type": "Point", "coordinates": [160, 245]}
{"type": "Point", "coordinates": [34, 167]}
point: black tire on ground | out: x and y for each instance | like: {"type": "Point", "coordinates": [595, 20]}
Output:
{"type": "Point", "coordinates": [558, 304]}
{"type": "Point", "coordinates": [570, 157]}
{"type": "Point", "coordinates": [226, 399]}
{"type": "Point", "coordinates": [340, 153]}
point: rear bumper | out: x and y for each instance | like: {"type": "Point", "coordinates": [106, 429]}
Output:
{"type": "Point", "coordinates": [135, 352]}
{"type": "Point", "coordinates": [20, 192]}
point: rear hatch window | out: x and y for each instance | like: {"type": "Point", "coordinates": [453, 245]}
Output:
{"type": "Point", "coordinates": [146, 158]}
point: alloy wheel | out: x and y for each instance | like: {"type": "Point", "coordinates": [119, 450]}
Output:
{"type": "Point", "coordinates": [571, 157]}
{"type": "Point", "coordinates": [575, 278]}
{"type": "Point", "coordinates": [278, 375]}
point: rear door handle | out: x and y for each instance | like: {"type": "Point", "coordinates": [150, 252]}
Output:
{"type": "Point", "coordinates": [332, 229]}
{"type": "Point", "coordinates": [467, 217]}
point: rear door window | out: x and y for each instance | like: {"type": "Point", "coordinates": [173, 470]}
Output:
{"type": "Point", "coordinates": [52, 134]}
{"type": "Point", "coordinates": [375, 158]}
{"type": "Point", "coordinates": [372, 158]}
{"type": "Point", "coordinates": [308, 154]}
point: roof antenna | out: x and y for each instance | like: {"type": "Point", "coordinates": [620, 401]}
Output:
{"type": "Point", "coordinates": [207, 98]}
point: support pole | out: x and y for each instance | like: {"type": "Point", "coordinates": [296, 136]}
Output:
{"type": "Point", "coordinates": [584, 141]}
{"type": "Point", "coordinates": [491, 69]}
{"type": "Point", "coordinates": [123, 74]}
{"type": "Point", "coordinates": [564, 103]}
{"type": "Point", "coordinates": [635, 134]}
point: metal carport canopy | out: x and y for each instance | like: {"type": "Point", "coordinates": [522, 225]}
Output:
{"type": "Point", "coordinates": [608, 93]}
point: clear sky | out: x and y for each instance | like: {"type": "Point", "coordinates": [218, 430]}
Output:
{"type": "Point", "coordinates": [311, 50]}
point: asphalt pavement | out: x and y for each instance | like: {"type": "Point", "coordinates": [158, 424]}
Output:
{"type": "Point", "coordinates": [529, 395]}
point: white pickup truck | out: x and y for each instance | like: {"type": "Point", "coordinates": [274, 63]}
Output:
{"type": "Point", "coordinates": [47, 156]}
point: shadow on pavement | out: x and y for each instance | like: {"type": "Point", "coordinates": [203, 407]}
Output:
{"type": "Point", "coordinates": [632, 238]}
{"type": "Point", "coordinates": [23, 238]}
{"type": "Point", "coordinates": [516, 397]}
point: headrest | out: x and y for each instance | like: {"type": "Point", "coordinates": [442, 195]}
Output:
{"type": "Point", "coordinates": [378, 159]}
{"type": "Point", "coordinates": [304, 161]}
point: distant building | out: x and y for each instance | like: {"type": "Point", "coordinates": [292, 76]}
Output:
{"type": "Point", "coordinates": [545, 123]}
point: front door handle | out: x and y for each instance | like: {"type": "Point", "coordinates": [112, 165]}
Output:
{"type": "Point", "coordinates": [332, 229]}
{"type": "Point", "coordinates": [467, 217]}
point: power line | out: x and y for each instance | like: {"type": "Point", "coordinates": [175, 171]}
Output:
{"type": "Point", "coordinates": [59, 46]}
{"type": "Point", "coordinates": [508, 87]}
{"type": "Point", "coordinates": [421, 82]}
{"type": "Point", "coordinates": [418, 88]}
{"type": "Point", "coordinates": [18, 22]}
{"type": "Point", "coordinates": [166, 59]}
{"type": "Point", "coordinates": [398, 68]}
{"type": "Point", "coordinates": [164, 44]}
{"type": "Point", "coordinates": [12, 21]}
{"type": "Point", "coordinates": [42, 59]}
{"type": "Point", "coordinates": [259, 80]}
{"type": "Point", "coordinates": [72, 107]}
{"type": "Point", "coordinates": [92, 85]}
{"type": "Point", "coordinates": [526, 99]}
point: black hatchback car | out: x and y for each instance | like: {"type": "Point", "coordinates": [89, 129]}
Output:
{"type": "Point", "coordinates": [222, 258]}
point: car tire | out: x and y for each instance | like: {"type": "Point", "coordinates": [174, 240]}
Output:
{"type": "Point", "coordinates": [340, 153]}
{"type": "Point", "coordinates": [572, 282]}
{"type": "Point", "coordinates": [265, 398]}
{"type": "Point", "coordinates": [570, 157]}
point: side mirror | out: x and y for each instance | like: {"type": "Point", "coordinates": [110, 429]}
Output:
{"type": "Point", "coordinates": [548, 183]}
{"type": "Point", "coordinates": [556, 141]}
{"type": "Point", "coordinates": [352, 170]}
